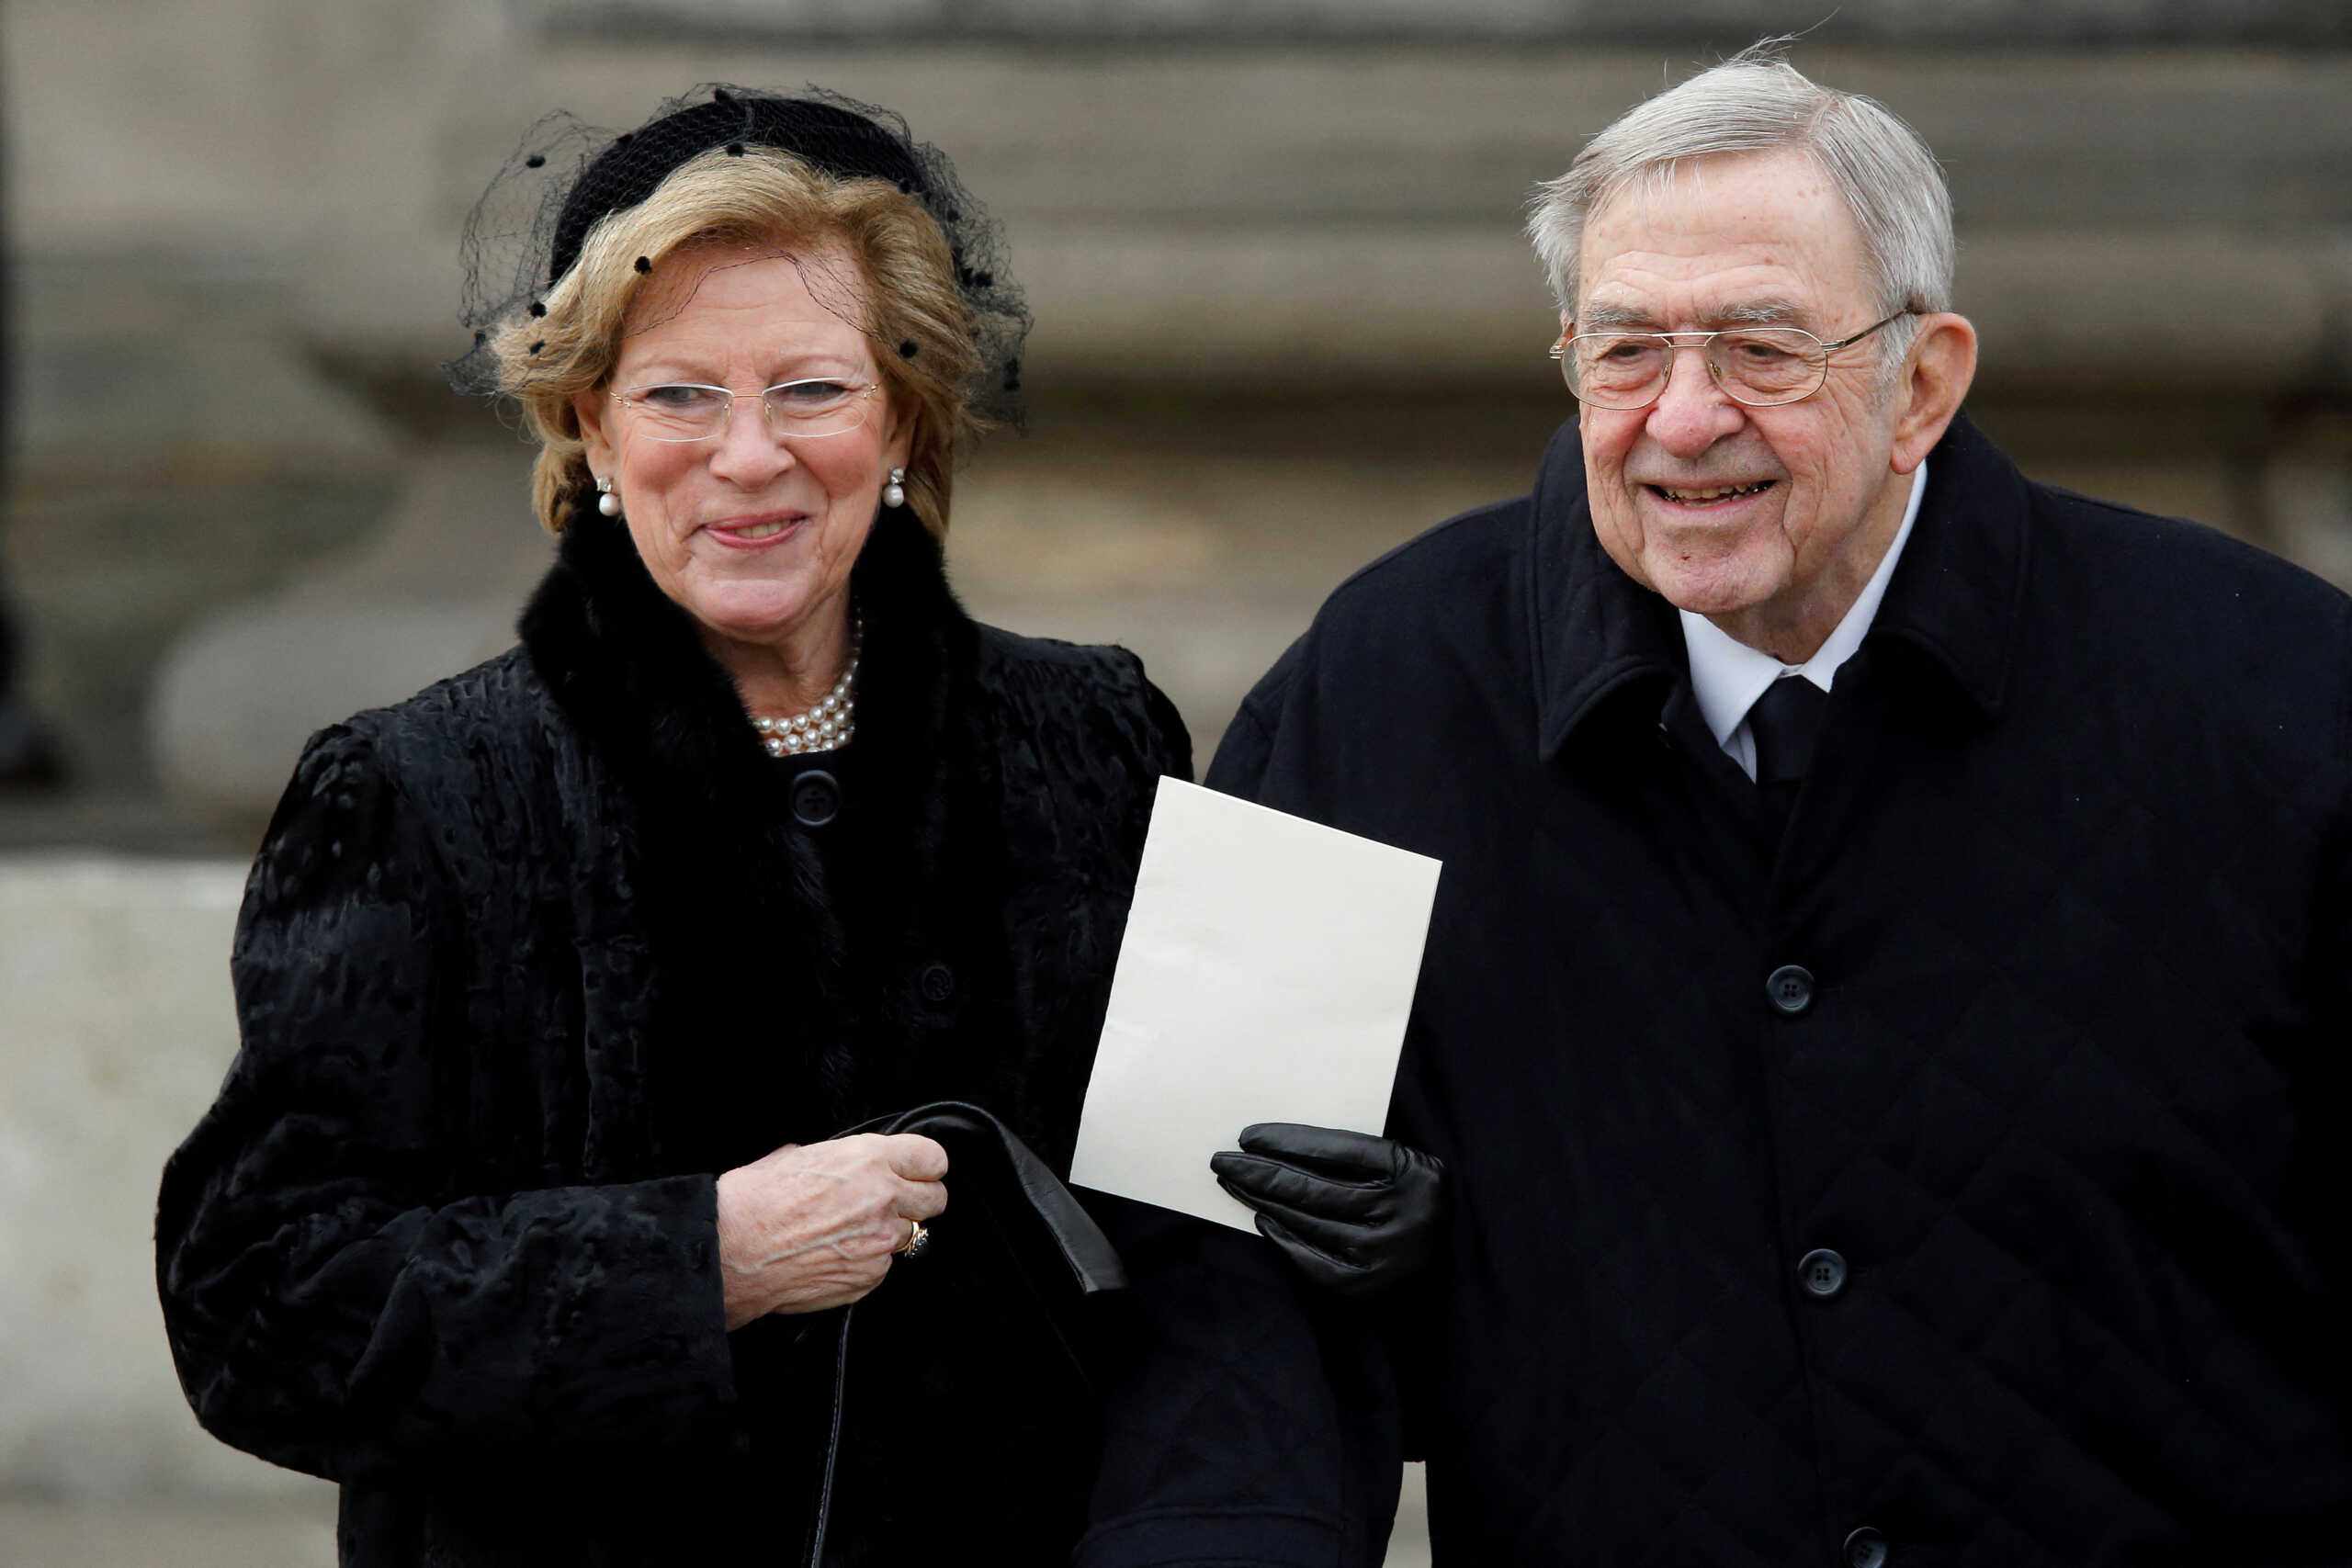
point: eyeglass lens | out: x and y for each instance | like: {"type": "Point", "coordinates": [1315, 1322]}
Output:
{"type": "Point", "coordinates": [1761, 365]}
{"type": "Point", "coordinates": [685, 412]}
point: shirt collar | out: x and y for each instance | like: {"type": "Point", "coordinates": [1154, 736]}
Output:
{"type": "Point", "coordinates": [1727, 676]}
{"type": "Point", "coordinates": [1600, 642]}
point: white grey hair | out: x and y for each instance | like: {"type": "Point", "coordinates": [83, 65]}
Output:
{"type": "Point", "coordinates": [1757, 102]}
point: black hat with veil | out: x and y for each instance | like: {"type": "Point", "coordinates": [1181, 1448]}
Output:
{"type": "Point", "coordinates": [527, 231]}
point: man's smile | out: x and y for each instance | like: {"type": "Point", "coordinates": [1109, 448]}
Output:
{"type": "Point", "coordinates": [1692, 495]}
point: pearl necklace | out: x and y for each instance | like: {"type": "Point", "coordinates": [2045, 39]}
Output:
{"type": "Point", "coordinates": [827, 724]}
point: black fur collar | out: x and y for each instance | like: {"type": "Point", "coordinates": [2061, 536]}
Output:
{"type": "Point", "coordinates": [759, 935]}
{"type": "Point", "coordinates": [627, 669]}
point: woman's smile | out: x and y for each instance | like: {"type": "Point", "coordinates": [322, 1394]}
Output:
{"type": "Point", "coordinates": [756, 532]}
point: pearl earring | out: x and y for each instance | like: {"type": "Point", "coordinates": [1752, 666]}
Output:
{"type": "Point", "coordinates": [895, 492]}
{"type": "Point", "coordinates": [607, 502]}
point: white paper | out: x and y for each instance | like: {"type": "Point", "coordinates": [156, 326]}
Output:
{"type": "Point", "coordinates": [1266, 974]}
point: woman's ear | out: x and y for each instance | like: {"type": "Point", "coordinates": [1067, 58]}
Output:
{"type": "Point", "coordinates": [593, 411]}
{"type": "Point", "coordinates": [897, 435]}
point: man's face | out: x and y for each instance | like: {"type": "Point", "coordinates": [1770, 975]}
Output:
{"type": "Point", "coordinates": [1769, 519]}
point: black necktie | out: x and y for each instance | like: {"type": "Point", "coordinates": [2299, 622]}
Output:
{"type": "Point", "coordinates": [1784, 722]}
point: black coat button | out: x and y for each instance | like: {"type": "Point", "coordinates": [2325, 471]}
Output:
{"type": "Point", "coordinates": [938, 983]}
{"type": "Point", "coordinates": [1866, 1548]}
{"type": "Point", "coordinates": [1791, 988]}
{"type": "Point", "coordinates": [1822, 1273]}
{"type": "Point", "coordinates": [816, 798]}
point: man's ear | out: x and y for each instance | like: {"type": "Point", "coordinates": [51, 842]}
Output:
{"type": "Point", "coordinates": [1936, 375]}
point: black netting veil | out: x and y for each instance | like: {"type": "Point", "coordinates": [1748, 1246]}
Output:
{"type": "Point", "coordinates": [527, 231]}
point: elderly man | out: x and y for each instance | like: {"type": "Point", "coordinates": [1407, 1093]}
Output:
{"type": "Point", "coordinates": [1887, 1010]}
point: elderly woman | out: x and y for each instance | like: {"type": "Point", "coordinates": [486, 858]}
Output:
{"type": "Point", "coordinates": [521, 1206]}
{"type": "Point", "coordinates": [526, 1210]}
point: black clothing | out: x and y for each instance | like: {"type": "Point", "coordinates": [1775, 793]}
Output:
{"type": "Point", "coordinates": [1357, 1214]}
{"type": "Point", "coordinates": [1963, 1166]}
{"type": "Point", "coordinates": [525, 960]}
{"type": "Point", "coordinates": [1785, 723]}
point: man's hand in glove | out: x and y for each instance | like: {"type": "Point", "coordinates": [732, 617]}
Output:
{"type": "Point", "coordinates": [1356, 1213]}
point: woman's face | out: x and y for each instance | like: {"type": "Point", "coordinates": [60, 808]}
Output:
{"type": "Point", "coordinates": [751, 535]}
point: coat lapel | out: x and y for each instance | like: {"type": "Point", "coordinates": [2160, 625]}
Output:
{"type": "Point", "coordinates": [1599, 637]}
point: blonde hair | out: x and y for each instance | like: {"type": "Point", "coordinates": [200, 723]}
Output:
{"type": "Point", "coordinates": [920, 326]}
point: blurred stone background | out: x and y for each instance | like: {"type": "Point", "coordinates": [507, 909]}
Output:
{"type": "Point", "coordinates": [1283, 320]}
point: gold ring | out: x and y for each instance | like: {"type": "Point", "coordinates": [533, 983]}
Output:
{"type": "Point", "coordinates": [916, 1240]}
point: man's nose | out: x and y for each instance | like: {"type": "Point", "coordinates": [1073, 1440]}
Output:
{"type": "Point", "coordinates": [1693, 414]}
{"type": "Point", "coordinates": [746, 452]}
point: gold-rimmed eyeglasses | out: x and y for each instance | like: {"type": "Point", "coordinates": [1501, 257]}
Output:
{"type": "Point", "coordinates": [688, 411]}
{"type": "Point", "coordinates": [1761, 367]}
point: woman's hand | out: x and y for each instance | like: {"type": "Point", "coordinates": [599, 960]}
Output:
{"type": "Point", "coordinates": [813, 1226]}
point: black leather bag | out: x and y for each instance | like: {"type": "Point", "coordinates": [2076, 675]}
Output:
{"type": "Point", "coordinates": [1003, 1197]}
{"type": "Point", "coordinates": [999, 1176]}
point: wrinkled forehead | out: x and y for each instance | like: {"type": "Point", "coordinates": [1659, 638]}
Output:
{"type": "Point", "coordinates": [711, 310]}
{"type": "Point", "coordinates": [822, 265]}
{"type": "Point", "coordinates": [1749, 236]}
{"type": "Point", "coordinates": [714, 301]}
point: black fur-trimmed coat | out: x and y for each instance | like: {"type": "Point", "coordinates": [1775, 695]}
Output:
{"type": "Point", "coordinates": [526, 960]}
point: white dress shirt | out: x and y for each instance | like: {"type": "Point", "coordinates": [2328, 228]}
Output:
{"type": "Point", "coordinates": [1727, 676]}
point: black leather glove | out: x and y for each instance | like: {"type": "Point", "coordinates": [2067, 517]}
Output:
{"type": "Point", "coordinates": [1356, 1213]}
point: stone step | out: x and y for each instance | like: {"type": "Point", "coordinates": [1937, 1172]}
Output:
{"type": "Point", "coordinates": [1696, 23]}
{"type": "Point", "coordinates": [1170, 207]}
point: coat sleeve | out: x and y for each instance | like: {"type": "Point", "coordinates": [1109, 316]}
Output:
{"type": "Point", "coordinates": [332, 1299]}
{"type": "Point", "coordinates": [1163, 744]}
{"type": "Point", "coordinates": [1247, 751]}
{"type": "Point", "coordinates": [1251, 1422]}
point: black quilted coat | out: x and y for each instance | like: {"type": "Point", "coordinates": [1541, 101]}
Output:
{"type": "Point", "coordinates": [2064, 1083]}
{"type": "Point", "coordinates": [527, 959]}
